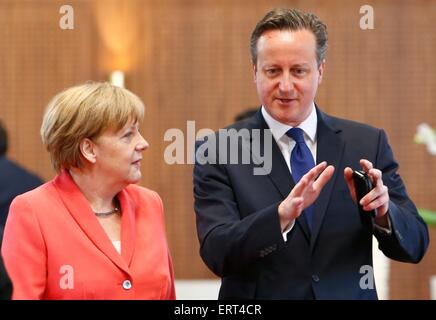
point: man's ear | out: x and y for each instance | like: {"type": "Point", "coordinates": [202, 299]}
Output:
{"type": "Point", "coordinates": [87, 149]}
{"type": "Point", "coordinates": [321, 71]}
{"type": "Point", "coordinates": [254, 73]}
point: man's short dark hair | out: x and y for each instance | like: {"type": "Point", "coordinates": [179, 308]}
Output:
{"type": "Point", "coordinates": [293, 20]}
{"type": "Point", "coordinates": [3, 140]}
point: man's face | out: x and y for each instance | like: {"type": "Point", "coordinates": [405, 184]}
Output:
{"type": "Point", "coordinates": [287, 74]}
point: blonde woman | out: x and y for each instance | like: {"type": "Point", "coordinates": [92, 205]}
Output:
{"type": "Point", "coordinates": [90, 233]}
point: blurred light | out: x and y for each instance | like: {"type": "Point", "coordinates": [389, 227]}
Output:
{"type": "Point", "coordinates": [118, 25]}
{"type": "Point", "coordinates": [116, 78]}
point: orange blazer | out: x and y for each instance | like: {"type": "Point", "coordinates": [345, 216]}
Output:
{"type": "Point", "coordinates": [55, 248]}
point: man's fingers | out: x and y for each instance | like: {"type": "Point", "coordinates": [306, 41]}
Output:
{"type": "Point", "coordinates": [290, 209]}
{"type": "Point", "coordinates": [374, 194]}
{"type": "Point", "coordinates": [316, 171]}
{"type": "Point", "coordinates": [376, 176]}
{"type": "Point", "coordinates": [297, 205]}
{"type": "Point", "coordinates": [307, 180]}
{"type": "Point", "coordinates": [323, 178]}
{"type": "Point", "coordinates": [348, 175]}
{"type": "Point", "coordinates": [366, 165]}
{"type": "Point", "coordinates": [300, 187]}
{"type": "Point", "coordinates": [377, 198]}
{"type": "Point", "coordinates": [377, 203]}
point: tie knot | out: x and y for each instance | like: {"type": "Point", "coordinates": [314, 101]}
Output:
{"type": "Point", "coordinates": [297, 134]}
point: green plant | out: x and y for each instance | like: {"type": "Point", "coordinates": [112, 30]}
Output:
{"type": "Point", "coordinates": [425, 134]}
{"type": "Point", "coordinates": [428, 216]}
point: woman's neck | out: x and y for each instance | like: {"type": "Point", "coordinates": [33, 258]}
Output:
{"type": "Point", "coordinates": [98, 192]}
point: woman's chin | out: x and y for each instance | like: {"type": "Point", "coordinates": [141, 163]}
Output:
{"type": "Point", "coordinates": [135, 178]}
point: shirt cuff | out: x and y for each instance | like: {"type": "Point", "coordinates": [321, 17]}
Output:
{"type": "Point", "coordinates": [387, 231]}
{"type": "Point", "coordinates": [287, 229]}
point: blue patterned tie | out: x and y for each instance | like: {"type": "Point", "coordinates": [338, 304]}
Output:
{"type": "Point", "coordinates": [301, 163]}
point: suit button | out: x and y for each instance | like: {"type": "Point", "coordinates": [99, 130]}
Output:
{"type": "Point", "coordinates": [127, 285]}
{"type": "Point", "coordinates": [315, 278]}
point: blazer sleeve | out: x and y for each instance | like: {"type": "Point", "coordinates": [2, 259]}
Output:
{"type": "Point", "coordinates": [229, 243]}
{"type": "Point", "coordinates": [5, 282]}
{"type": "Point", "coordinates": [409, 239]}
{"type": "Point", "coordinates": [24, 251]}
{"type": "Point", "coordinates": [171, 292]}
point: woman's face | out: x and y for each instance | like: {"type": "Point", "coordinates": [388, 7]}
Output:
{"type": "Point", "coordinates": [118, 154]}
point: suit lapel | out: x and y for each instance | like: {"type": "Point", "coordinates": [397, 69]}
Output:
{"type": "Point", "coordinates": [330, 147]}
{"type": "Point", "coordinates": [280, 174]}
{"type": "Point", "coordinates": [79, 208]}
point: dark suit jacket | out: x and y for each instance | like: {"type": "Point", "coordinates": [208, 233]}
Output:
{"type": "Point", "coordinates": [14, 180]}
{"type": "Point", "coordinates": [239, 230]}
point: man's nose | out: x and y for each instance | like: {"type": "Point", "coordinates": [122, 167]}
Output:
{"type": "Point", "coordinates": [286, 84]}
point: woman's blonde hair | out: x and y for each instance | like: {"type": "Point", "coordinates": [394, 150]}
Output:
{"type": "Point", "coordinates": [85, 111]}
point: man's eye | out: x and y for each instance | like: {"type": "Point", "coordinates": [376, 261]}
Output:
{"type": "Point", "coordinates": [271, 72]}
{"type": "Point", "coordinates": [299, 71]}
{"type": "Point", "coordinates": [128, 134]}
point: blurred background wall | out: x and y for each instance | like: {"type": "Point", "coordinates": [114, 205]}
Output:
{"type": "Point", "coordinates": [189, 60]}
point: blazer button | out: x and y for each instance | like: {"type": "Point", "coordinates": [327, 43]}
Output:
{"type": "Point", "coordinates": [127, 285]}
{"type": "Point", "coordinates": [315, 278]}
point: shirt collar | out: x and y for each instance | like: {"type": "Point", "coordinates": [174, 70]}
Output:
{"type": "Point", "coordinates": [279, 129]}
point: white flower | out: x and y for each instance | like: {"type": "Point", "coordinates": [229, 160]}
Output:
{"type": "Point", "coordinates": [426, 135]}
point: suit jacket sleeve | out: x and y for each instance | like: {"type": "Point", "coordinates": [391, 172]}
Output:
{"type": "Point", "coordinates": [23, 250]}
{"type": "Point", "coordinates": [230, 243]}
{"type": "Point", "coordinates": [409, 239]}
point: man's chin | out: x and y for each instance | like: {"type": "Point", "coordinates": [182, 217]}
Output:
{"type": "Point", "coordinates": [288, 118]}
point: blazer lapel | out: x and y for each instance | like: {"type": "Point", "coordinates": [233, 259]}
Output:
{"type": "Point", "coordinates": [330, 146]}
{"type": "Point", "coordinates": [77, 205]}
{"type": "Point", "coordinates": [280, 174]}
{"type": "Point", "coordinates": [128, 223]}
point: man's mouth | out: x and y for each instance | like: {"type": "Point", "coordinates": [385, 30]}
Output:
{"type": "Point", "coordinates": [285, 100]}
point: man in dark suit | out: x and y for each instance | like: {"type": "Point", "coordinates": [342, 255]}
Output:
{"type": "Point", "coordinates": [288, 234]}
{"type": "Point", "coordinates": [14, 179]}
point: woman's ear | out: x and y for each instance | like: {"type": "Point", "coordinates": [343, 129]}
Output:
{"type": "Point", "coordinates": [87, 149]}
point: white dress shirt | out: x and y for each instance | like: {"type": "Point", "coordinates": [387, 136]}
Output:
{"type": "Point", "coordinates": [287, 144]}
